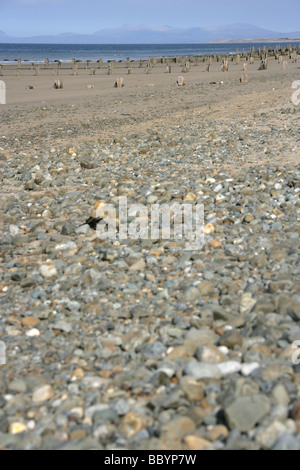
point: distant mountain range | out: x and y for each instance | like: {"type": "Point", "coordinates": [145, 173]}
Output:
{"type": "Point", "coordinates": [165, 35]}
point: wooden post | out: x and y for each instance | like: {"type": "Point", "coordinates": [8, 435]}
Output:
{"type": "Point", "coordinates": [244, 79]}
{"type": "Point", "coordinates": [58, 84]}
{"type": "Point", "coordinates": [47, 63]}
{"type": "Point", "coordinates": [263, 64]}
{"type": "Point", "coordinates": [1, 70]}
{"type": "Point", "coordinates": [225, 65]}
{"type": "Point", "coordinates": [75, 70]}
{"type": "Point", "coordinates": [129, 71]}
{"type": "Point", "coordinates": [180, 81]}
{"type": "Point", "coordinates": [37, 70]}
{"type": "Point", "coordinates": [100, 61]}
{"type": "Point", "coordinates": [119, 83]}
{"type": "Point", "coordinates": [245, 67]}
{"type": "Point", "coordinates": [93, 71]}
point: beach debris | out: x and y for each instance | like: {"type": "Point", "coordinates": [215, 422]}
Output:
{"type": "Point", "coordinates": [180, 81]}
{"type": "Point", "coordinates": [119, 83]}
{"type": "Point", "coordinates": [58, 84]}
{"type": "Point", "coordinates": [92, 222]}
{"type": "Point", "coordinates": [30, 87]}
{"type": "Point", "coordinates": [90, 87]}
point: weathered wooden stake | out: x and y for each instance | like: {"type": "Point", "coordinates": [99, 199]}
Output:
{"type": "Point", "coordinates": [58, 84]}
{"type": "Point", "coordinates": [244, 78]}
{"type": "Point", "coordinates": [180, 81]}
{"type": "Point", "coordinates": [119, 83]}
{"type": "Point", "coordinates": [225, 65]}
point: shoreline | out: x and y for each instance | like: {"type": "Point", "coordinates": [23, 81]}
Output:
{"type": "Point", "coordinates": [133, 50]}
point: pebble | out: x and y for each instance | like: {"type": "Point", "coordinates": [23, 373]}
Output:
{"type": "Point", "coordinates": [42, 394]}
{"type": "Point", "coordinates": [143, 344]}
{"type": "Point", "coordinates": [247, 411]}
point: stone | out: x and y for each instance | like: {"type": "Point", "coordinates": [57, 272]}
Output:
{"type": "Point", "coordinates": [247, 303]}
{"type": "Point", "coordinates": [41, 394]}
{"type": "Point", "coordinates": [202, 371]}
{"type": "Point", "coordinates": [17, 428]}
{"type": "Point", "coordinates": [196, 443]}
{"type": "Point", "coordinates": [229, 367]}
{"type": "Point", "coordinates": [231, 339]}
{"type": "Point", "coordinates": [30, 321]}
{"type": "Point", "coordinates": [268, 435]}
{"type": "Point", "coordinates": [177, 429]}
{"type": "Point", "coordinates": [133, 423]}
{"type": "Point", "coordinates": [217, 432]}
{"type": "Point", "coordinates": [48, 271]}
{"type": "Point", "coordinates": [280, 395]}
{"type": "Point", "coordinates": [244, 412]}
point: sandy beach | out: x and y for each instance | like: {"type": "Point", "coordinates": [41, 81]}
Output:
{"type": "Point", "coordinates": [141, 344]}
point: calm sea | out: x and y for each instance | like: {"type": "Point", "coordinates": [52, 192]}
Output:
{"type": "Point", "coordinates": [66, 52]}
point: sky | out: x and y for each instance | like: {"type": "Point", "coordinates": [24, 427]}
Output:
{"type": "Point", "coordinates": [35, 17]}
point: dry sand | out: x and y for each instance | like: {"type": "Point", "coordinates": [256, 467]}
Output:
{"type": "Point", "coordinates": [77, 113]}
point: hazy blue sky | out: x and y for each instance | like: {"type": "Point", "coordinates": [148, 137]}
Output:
{"type": "Point", "coordinates": [34, 17]}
